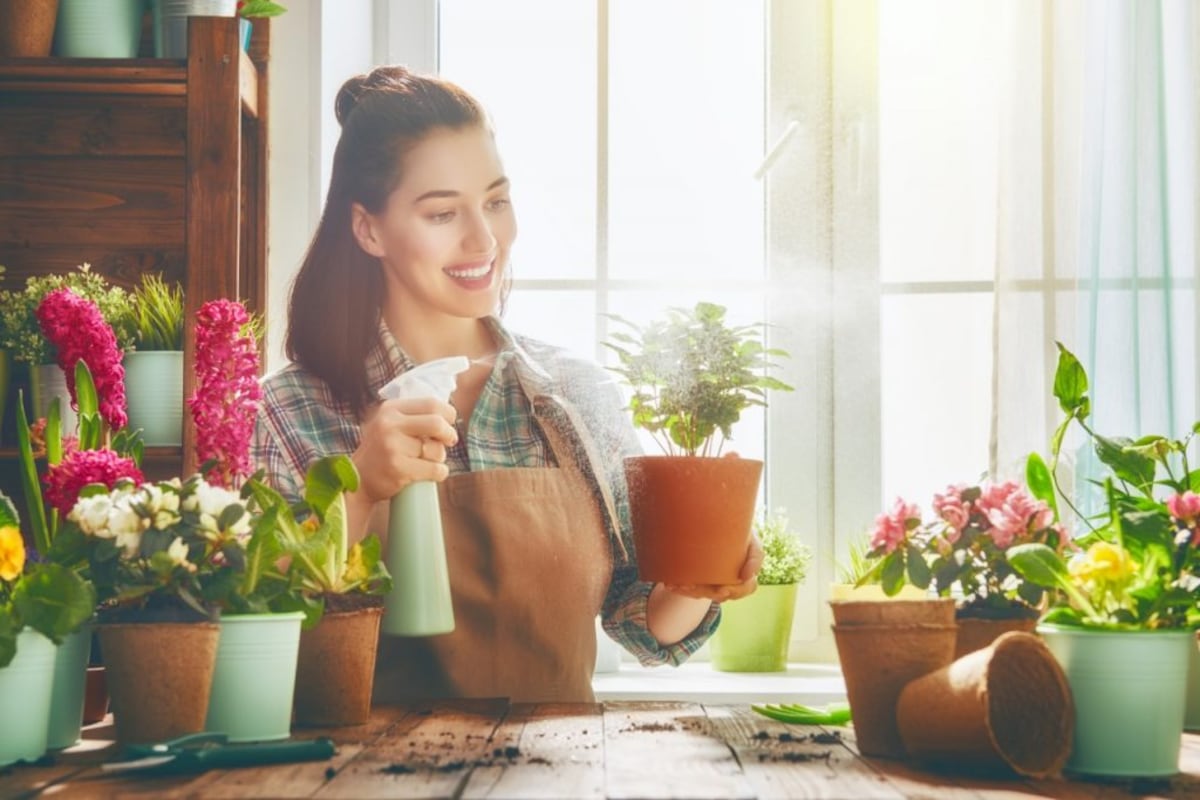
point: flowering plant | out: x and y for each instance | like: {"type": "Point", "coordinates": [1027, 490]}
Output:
{"type": "Point", "coordinates": [47, 597]}
{"type": "Point", "coordinates": [962, 549]}
{"type": "Point", "coordinates": [172, 549]}
{"type": "Point", "coordinates": [20, 332]}
{"type": "Point", "coordinates": [785, 557]}
{"type": "Point", "coordinates": [314, 538]}
{"type": "Point", "coordinates": [1139, 569]}
{"type": "Point", "coordinates": [225, 402]}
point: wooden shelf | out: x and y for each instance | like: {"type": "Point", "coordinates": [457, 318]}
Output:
{"type": "Point", "coordinates": [150, 454]}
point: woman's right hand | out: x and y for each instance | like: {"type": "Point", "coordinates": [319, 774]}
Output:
{"type": "Point", "coordinates": [403, 441]}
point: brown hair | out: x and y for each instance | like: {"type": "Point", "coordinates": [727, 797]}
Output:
{"type": "Point", "coordinates": [337, 296]}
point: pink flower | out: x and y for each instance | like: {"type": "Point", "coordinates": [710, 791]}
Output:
{"type": "Point", "coordinates": [1185, 508]}
{"type": "Point", "coordinates": [78, 331]}
{"type": "Point", "coordinates": [1013, 513]}
{"type": "Point", "coordinates": [227, 394]}
{"type": "Point", "coordinates": [79, 468]}
{"type": "Point", "coordinates": [950, 507]}
{"type": "Point", "coordinates": [891, 529]}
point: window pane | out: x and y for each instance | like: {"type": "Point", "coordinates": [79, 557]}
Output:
{"type": "Point", "coordinates": [541, 93]}
{"type": "Point", "coordinates": [936, 384]}
{"type": "Point", "coordinates": [563, 319]}
{"type": "Point", "coordinates": [686, 116]}
{"type": "Point", "coordinates": [938, 100]}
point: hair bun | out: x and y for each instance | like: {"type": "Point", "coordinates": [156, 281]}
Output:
{"type": "Point", "coordinates": [395, 78]}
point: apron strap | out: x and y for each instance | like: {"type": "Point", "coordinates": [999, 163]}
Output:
{"type": "Point", "coordinates": [574, 447]}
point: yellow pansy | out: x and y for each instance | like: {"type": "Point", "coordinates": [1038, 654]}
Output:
{"type": "Point", "coordinates": [1105, 562]}
{"type": "Point", "coordinates": [12, 553]}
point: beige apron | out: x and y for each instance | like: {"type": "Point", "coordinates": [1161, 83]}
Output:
{"type": "Point", "coordinates": [530, 559]}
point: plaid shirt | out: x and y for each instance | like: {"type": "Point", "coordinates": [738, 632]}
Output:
{"type": "Point", "coordinates": [299, 422]}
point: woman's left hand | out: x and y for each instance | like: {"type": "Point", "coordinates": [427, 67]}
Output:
{"type": "Point", "coordinates": [748, 577]}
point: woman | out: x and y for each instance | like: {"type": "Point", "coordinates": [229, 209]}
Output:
{"type": "Point", "coordinates": [410, 264]}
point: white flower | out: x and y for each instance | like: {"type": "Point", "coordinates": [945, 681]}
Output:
{"type": "Point", "coordinates": [126, 524]}
{"type": "Point", "coordinates": [178, 552]}
{"type": "Point", "coordinates": [212, 500]}
{"type": "Point", "coordinates": [91, 514]}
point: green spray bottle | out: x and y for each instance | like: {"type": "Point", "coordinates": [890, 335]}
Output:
{"type": "Point", "coordinates": [419, 602]}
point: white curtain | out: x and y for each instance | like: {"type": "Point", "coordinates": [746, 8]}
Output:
{"type": "Point", "coordinates": [1097, 219]}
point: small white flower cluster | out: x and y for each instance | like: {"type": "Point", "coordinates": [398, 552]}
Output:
{"type": "Point", "coordinates": [127, 511]}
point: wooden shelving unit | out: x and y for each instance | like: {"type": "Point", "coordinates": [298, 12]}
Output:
{"type": "Point", "coordinates": [140, 165]}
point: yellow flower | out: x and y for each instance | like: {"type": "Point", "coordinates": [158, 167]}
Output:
{"type": "Point", "coordinates": [1104, 561]}
{"type": "Point", "coordinates": [12, 553]}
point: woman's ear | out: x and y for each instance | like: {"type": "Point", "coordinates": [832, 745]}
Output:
{"type": "Point", "coordinates": [363, 226]}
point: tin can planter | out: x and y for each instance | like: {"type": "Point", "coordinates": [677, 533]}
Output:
{"type": "Point", "coordinates": [336, 670]}
{"type": "Point", "coordinates": [25, 686]}
{"type": "Point", "coordinates": [1130, 690]}
{"type": "Point", "coordinates": [755, 631]}
{"type": "Point", "coordinates": [255, 677]}
{"type": "Point", "coordinates": [70, 678]}
{"type": "Point", "coordinates": [154, 391]}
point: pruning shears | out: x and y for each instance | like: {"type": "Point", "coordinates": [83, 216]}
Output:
{"type": "Point", "coordinates": [833, 714]}
{"type": "Point", "coordinates": [200, 751]}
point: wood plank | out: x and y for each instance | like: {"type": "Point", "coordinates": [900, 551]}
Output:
{"type": "Point", "coordinates": [429, 754]}
{"type": "Point", "coordinates": [784, 761]}
{"type": "Point", "coordinates": [93, 126]}
{"type": "Point", "coordinates": [544, 751]}
{"type": "Point", "coordinates": [122, 266]}
{"type": "Point", "coordinates": [247, 84]}
{"type": "Point", "coordinates": [52, 71]}
{"type": "Point", "coordinates": [95, 87]}
{"type": "Point", "coordinates": [661, 750]}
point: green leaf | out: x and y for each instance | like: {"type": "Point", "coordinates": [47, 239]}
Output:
{"type": "Point", "coordinates": [53, 433]}
{"type": "Point", "coordinates": [1063, 615]}
{"type": "Point", "coordinates": [8, 513]}
{"type": "Point", "coordinates": [327, 478]}
{"type": "Point", "coordinates": [1070, 381]}
{"type": "Point", "coordinates": [1057, 438]}
{"type": "Point", "coordinates": [34, 505]}
{"type": "Point", "coordinates": [8, 637]}
{"type": "Point", "coordinates": [1128, 464]}
{"type": "Point", "coordinates": [54, 600]}
{"type": "Point", "coordinates": [918, 571]}
{"type": "Point", "coordinates": [892, 577]}
{"type": "Point", "coordinates": [1040, 481]}
{"type": "Point", "coordinates": [1038, 563]}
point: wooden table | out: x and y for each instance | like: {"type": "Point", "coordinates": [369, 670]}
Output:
{"type": "Point", "coordinates": [489, 749]}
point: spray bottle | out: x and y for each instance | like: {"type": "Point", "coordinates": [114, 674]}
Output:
{"type": "Point", "coordinates": [419, 602]}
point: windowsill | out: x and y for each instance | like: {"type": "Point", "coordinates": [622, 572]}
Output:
{"type": "Point", "coordinates": [698, 682]}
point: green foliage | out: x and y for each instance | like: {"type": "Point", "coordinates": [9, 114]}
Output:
{"type": "Point", "coordinates": [858, 564]}
{"type": "Point", "coordinates": [20, 332]}
{"type": "Point", "coordinates": [785, 557]}
{"type": "Point", "coordinates": [313, 536]}
{"type": "Point", "coordinates": [157, 315]}
{"type": "Point", "coordinates": [260, 8]}
{"type": "Point", "coordinates": [693, 376]}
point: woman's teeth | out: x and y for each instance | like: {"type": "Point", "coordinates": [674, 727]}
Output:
{"type": "Point", "coordinates": [473, 272]}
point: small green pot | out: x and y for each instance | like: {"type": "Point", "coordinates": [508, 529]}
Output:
{"type": "Point", "coordinates": [1130, 689]}
{"type": "Point", "coordinates": [5, 380]}
{"type": "Point", "coordinates": [154, 393]}
{"type": "Point", "coordinates": [255, 677]}
{"type": "Point", "coordinates": [755, 630]}
{"type": "Point", "coordinates": [25, 686]}
{"type": "Point", "coordinates": [98, 28]}
{"type": "Point", "coordinates": [70, 676]}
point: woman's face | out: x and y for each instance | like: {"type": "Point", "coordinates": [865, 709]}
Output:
{"type": "Point", "coordinates": [446, 231]}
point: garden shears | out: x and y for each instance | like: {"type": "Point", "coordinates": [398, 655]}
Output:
{"type": "Point", "coordinates": [200, 751]}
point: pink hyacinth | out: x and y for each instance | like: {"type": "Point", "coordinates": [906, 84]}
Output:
{"type": "Point", "coordinates": [1185, 508]}
{"type": "Point", "coordinates": [891, 529]}
{"type": "Point", "coordinates": [951, 508]}
{"type": "Point", "coordinates": [77, 330]}
{"type": "Point", "coordinates": [79, 468]}
{"type": "Point", "coordinates": [1013, 513]}
{"type": "Point", "coordinates": [227, 394]}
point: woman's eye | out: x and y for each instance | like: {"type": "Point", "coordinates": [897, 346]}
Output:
{"type": "Point", "coordinates": [499, 203]}
{"type": "Point", "coordinates": [440, 217]}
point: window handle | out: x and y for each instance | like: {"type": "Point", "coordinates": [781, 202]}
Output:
{"type": "Point", "coordinates": [776, 149]}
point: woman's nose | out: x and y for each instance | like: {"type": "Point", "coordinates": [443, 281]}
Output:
{"type": "Point", "coordinates": [478, 236]}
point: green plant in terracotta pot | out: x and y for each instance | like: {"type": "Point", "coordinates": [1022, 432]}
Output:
{"type": "Point", "coordinates": [692, 376]}
{"type": "Point", "coordinates": [154, 367]}
{"type": "Point", "coordinates": [1128, 596]}
{"type": "Point", "coordinates": [755, 630]}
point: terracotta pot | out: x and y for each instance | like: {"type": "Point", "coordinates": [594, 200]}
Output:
{"type": "Point", "coordinates": [878, 661]}
{"type": "Point", "coordinates": [691, 516]}
{"type": "Point", "coordinates": [1005, 706]}
{"type": "Point", "coordinates": [159, 676]}
{"type": "Point", "coordinates": [28, 27]}
{"type": "Point", "coordinates": [930, 611]}
{"type": "Point", "coordinates": [95, 696]}
{"type": "Point", "coordinates": [336, 669]}
{"type": "Point", "coordinates": [976, 633]}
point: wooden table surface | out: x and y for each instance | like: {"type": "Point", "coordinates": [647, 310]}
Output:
{"type": "Point", "coordinates": [490, 749]}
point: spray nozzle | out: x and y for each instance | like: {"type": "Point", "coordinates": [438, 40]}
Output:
{"type": "Point", "coordinates": [432, 379]}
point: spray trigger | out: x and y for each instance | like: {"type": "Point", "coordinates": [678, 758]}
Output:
{"type": "Point", "coordinates": [432, 379]}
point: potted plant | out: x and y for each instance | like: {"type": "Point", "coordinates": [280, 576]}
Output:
{"type": "Point", "coordinates": [252, 9]}
{"type": "Point", "coordinates": [855, 578]}
{"type": "Point", "coordinates": [341, 592]}
{"type": "Point", "coordinates": [21, 333]}
{"type": "Point", "coordinates": [1125, 606]}
{"type": "Point", "coordinates": [755, 630]}
{"type": "Point", "coordinates": [692, 375]}
{"type": "Point", "coordinates": [40, 604]}
{"type": "Point", "coordinates": [154, 367]}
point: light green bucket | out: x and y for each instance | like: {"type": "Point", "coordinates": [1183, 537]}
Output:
{"type": "Point", "coordinates": [25, 699]}
{"type": "Point", "coordinates": [255, 677]}
{"type": "Point", "coordinates": [754, 631]}
{"type": "Point", "coordinates": [154, 394]}
{"type": "Point", "coordinates": [66, 699]}
{"type": "Point", "coordinates": [98, 28]}
{"type": "Point", "coordinates": [1129, 689]}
